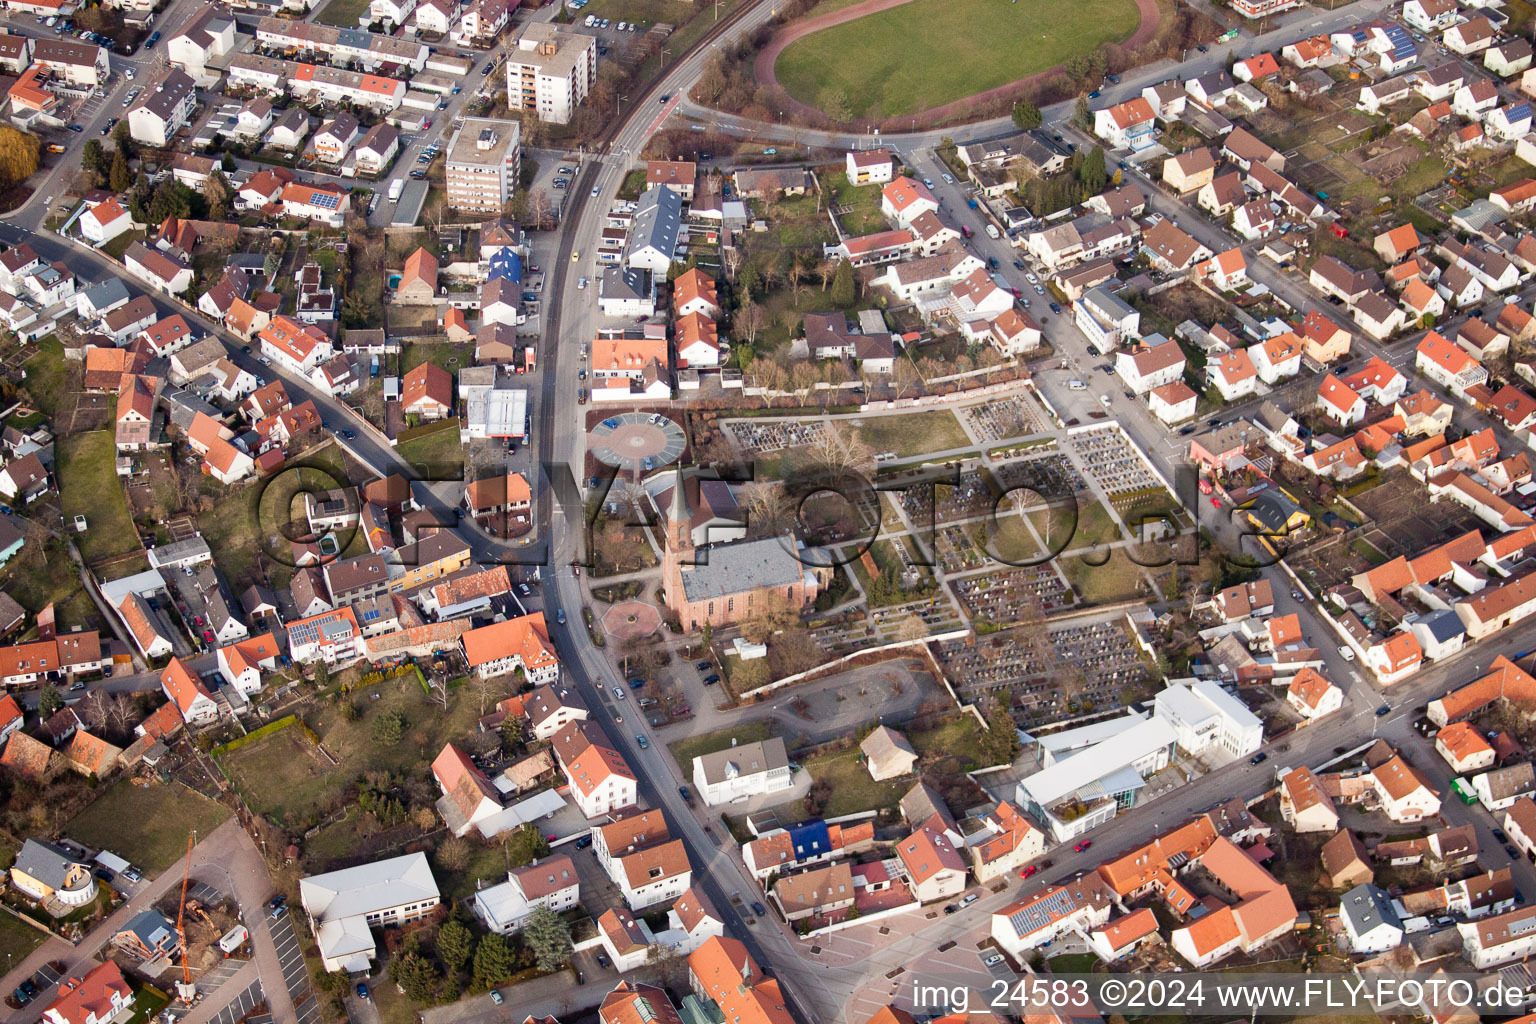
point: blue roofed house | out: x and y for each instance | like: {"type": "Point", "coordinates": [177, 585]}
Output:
{"type": "Point", "coordinates": [504, 263]}
{"type": "Point", "coordinates": [148, 935]}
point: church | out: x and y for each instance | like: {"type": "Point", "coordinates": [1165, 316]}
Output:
{"type": "Point", "coordinates": [718, 582]}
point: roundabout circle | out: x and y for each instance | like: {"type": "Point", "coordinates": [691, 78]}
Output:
{"type": "Point", "coordinates": [645, 440]}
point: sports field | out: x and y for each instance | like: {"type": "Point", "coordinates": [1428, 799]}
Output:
{"type": "Point", "coordinates": [926, 53]}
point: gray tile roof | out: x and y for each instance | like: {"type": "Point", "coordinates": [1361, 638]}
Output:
{"type": "Point", "coordinates": [728, 569]}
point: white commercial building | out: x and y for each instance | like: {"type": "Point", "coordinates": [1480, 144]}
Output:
{"type": "Point", "coordinates": [343, 906]}
{"type": "Point", "coordinates": [1098, 769]}
{"type": "Point", "coordinates": [1203, 715]}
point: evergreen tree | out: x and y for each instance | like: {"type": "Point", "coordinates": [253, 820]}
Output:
{"type": "Point", "coordinates": [1082, 114]}
{"type": "Point", "coordinates": [455, 945]}
{"type": "Point", "coordinates": [1092, 173]}
{"type": "Point", "coordinates": [842, 286]}
{"type": "Point", "coordinates": [549, 938]}
{"type": "Point", "coordinates": [415, 974]}
{"type": "Point", "coordinates": [49, 701]}
{"type": "Point", "coordinates": [1026, 115]}
{"type": "Point", "coordinates": [495, 960]}
{"type": "Point", "coordinates": [119, 177]}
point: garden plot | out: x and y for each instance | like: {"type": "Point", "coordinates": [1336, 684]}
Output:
{"type": "Point", "coordinates": [1113, 463]}
{"type": "Point", "coordinates": [780, 435]}
{"type": "Point", "coordinates": [997, 597]}
{"type": "Point", "coordinates": [1014, 416]}
{"type": "Point", "coordinates": [973, 497]}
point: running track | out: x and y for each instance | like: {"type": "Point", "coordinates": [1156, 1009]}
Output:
{"type": "Point", "coordinates": [769, 55]}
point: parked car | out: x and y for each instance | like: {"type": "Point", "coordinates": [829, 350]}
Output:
{"type": "Point", "coordinates": [496, 997]}
{"type": "Point", "coordinates": [1258, 758]}
{"type": "Point", "coordinates": [711, 679]}
{"type": "Point", "coordinates": [1080, 847]}
{"type": "Point", "coordinates": [362, 991]}
{"type": "Point", "coordinates": [644, 743]}
{"type": "Point", "coordinates": [1027, 872]}
{"type": "Point", "coordinates": [759, 909]}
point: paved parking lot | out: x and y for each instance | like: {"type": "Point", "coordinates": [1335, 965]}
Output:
{"type": "Point", "coordinates": [214, 977]}
{"type": "Point", "coordinates": [240, 1005]}
{"type": "Point", "coordinates": [290, 956]}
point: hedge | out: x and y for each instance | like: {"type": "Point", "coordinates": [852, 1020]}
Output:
{"type": "Point", "coordinates": [251, 737]}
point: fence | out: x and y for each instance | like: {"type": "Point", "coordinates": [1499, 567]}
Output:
{"type": "Point", "coordinates": [922, 642]}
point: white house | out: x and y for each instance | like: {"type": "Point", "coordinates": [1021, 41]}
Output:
{"type": "Point", "coordinates": [1370, 923]}
{"type": "Point", "coordinates": [741, 771]}
{"type": "Point", "coordinates": [1151, 365]}
{"type": "Point", "coordinates": [550, 883]}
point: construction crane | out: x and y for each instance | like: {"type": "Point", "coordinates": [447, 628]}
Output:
{"type": "Point", "coordinates": [185, 990]}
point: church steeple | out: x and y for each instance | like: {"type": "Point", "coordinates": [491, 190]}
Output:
{"type": "Point", "coordinates": [679, 534]}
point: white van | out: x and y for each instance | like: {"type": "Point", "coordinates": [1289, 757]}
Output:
{"type": "Point", "coordinates": [1076, 385]}
{"type": "Point", "coordinates": [591, 20]}
{"type": "Point", "coordinates": [395, 188]}
{"type": "Point", "coordinates": [992, 231]}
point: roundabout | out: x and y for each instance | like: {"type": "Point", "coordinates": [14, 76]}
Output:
{"type": "Point", "coordinates": [637, 440]}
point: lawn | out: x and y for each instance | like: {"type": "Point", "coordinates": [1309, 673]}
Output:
{"type": "Point", "coordinates": [450, 357]}
{"type": "Point", "coordinates": [684, 751]}
{"type": "Point", "coordinates": [283, 776]}
{"type": "Point", "coordinates": [930, 52]}
{"type": "Point", "coordinates": [1115, 580]}
{"type": "Point", "coordinates": [436, 453]}
{"type": "Point", "coordinates": [1094, 526]}
{"type": "Point", "coordinates": [852, 790]}
{"type": "Point", "coordinates": [47, 374]}
{"type": "Point", "coordinates": [242, 529]}
{"type": "Point", "coordinates": [17, 940]}
{"type": "Point", "coordinates": [88, 486]}
{"type": "Point", "coordinates": [909, 433]}
{"type": "Point", "coordinates": [40, 575]}
{"type": "Point", "coordinates": [148, 825]}
{"type": "Point", "coordinates": [864, 216]}
{"type": "Point", "coordinates": [342, 13]}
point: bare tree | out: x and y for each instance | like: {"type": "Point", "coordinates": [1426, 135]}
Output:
{"type": "Point", "coordinates": [750, 320]}
{"type": "Point", "coordinates": [487, 690]}
{"type": "Point", "coordinates": [733, 256]}
{"type": "Point", "coordinates": [803, 376]}
{"type": "Point", "coordinates": [826, 270]}
{"type": "Point", "coordinates": [768, 508]}
{"type": "Point", "coordinates": [836, 452]}
{"type": "Point", "coordinates": [905, 376]}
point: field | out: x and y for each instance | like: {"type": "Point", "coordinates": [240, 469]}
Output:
{"type": "Point", "coordinates": [436, 451]}
{"type": "Point", "coordinates": [147, 825]}
{"type": "Point", "coordinates": [282, 775]}
{"type": "Point", "coordinates": [17, 940]}
{"type": "Point", "coordinates": [342, 13]}
{"type": "Point", "coordinates": [930, 52]}
{"type": "Point", "coordinates": [88, 486]}
{"type": "Point", "coordinates": [684, 751]}
{"type": "Point", "coordinates": [910, 433]}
